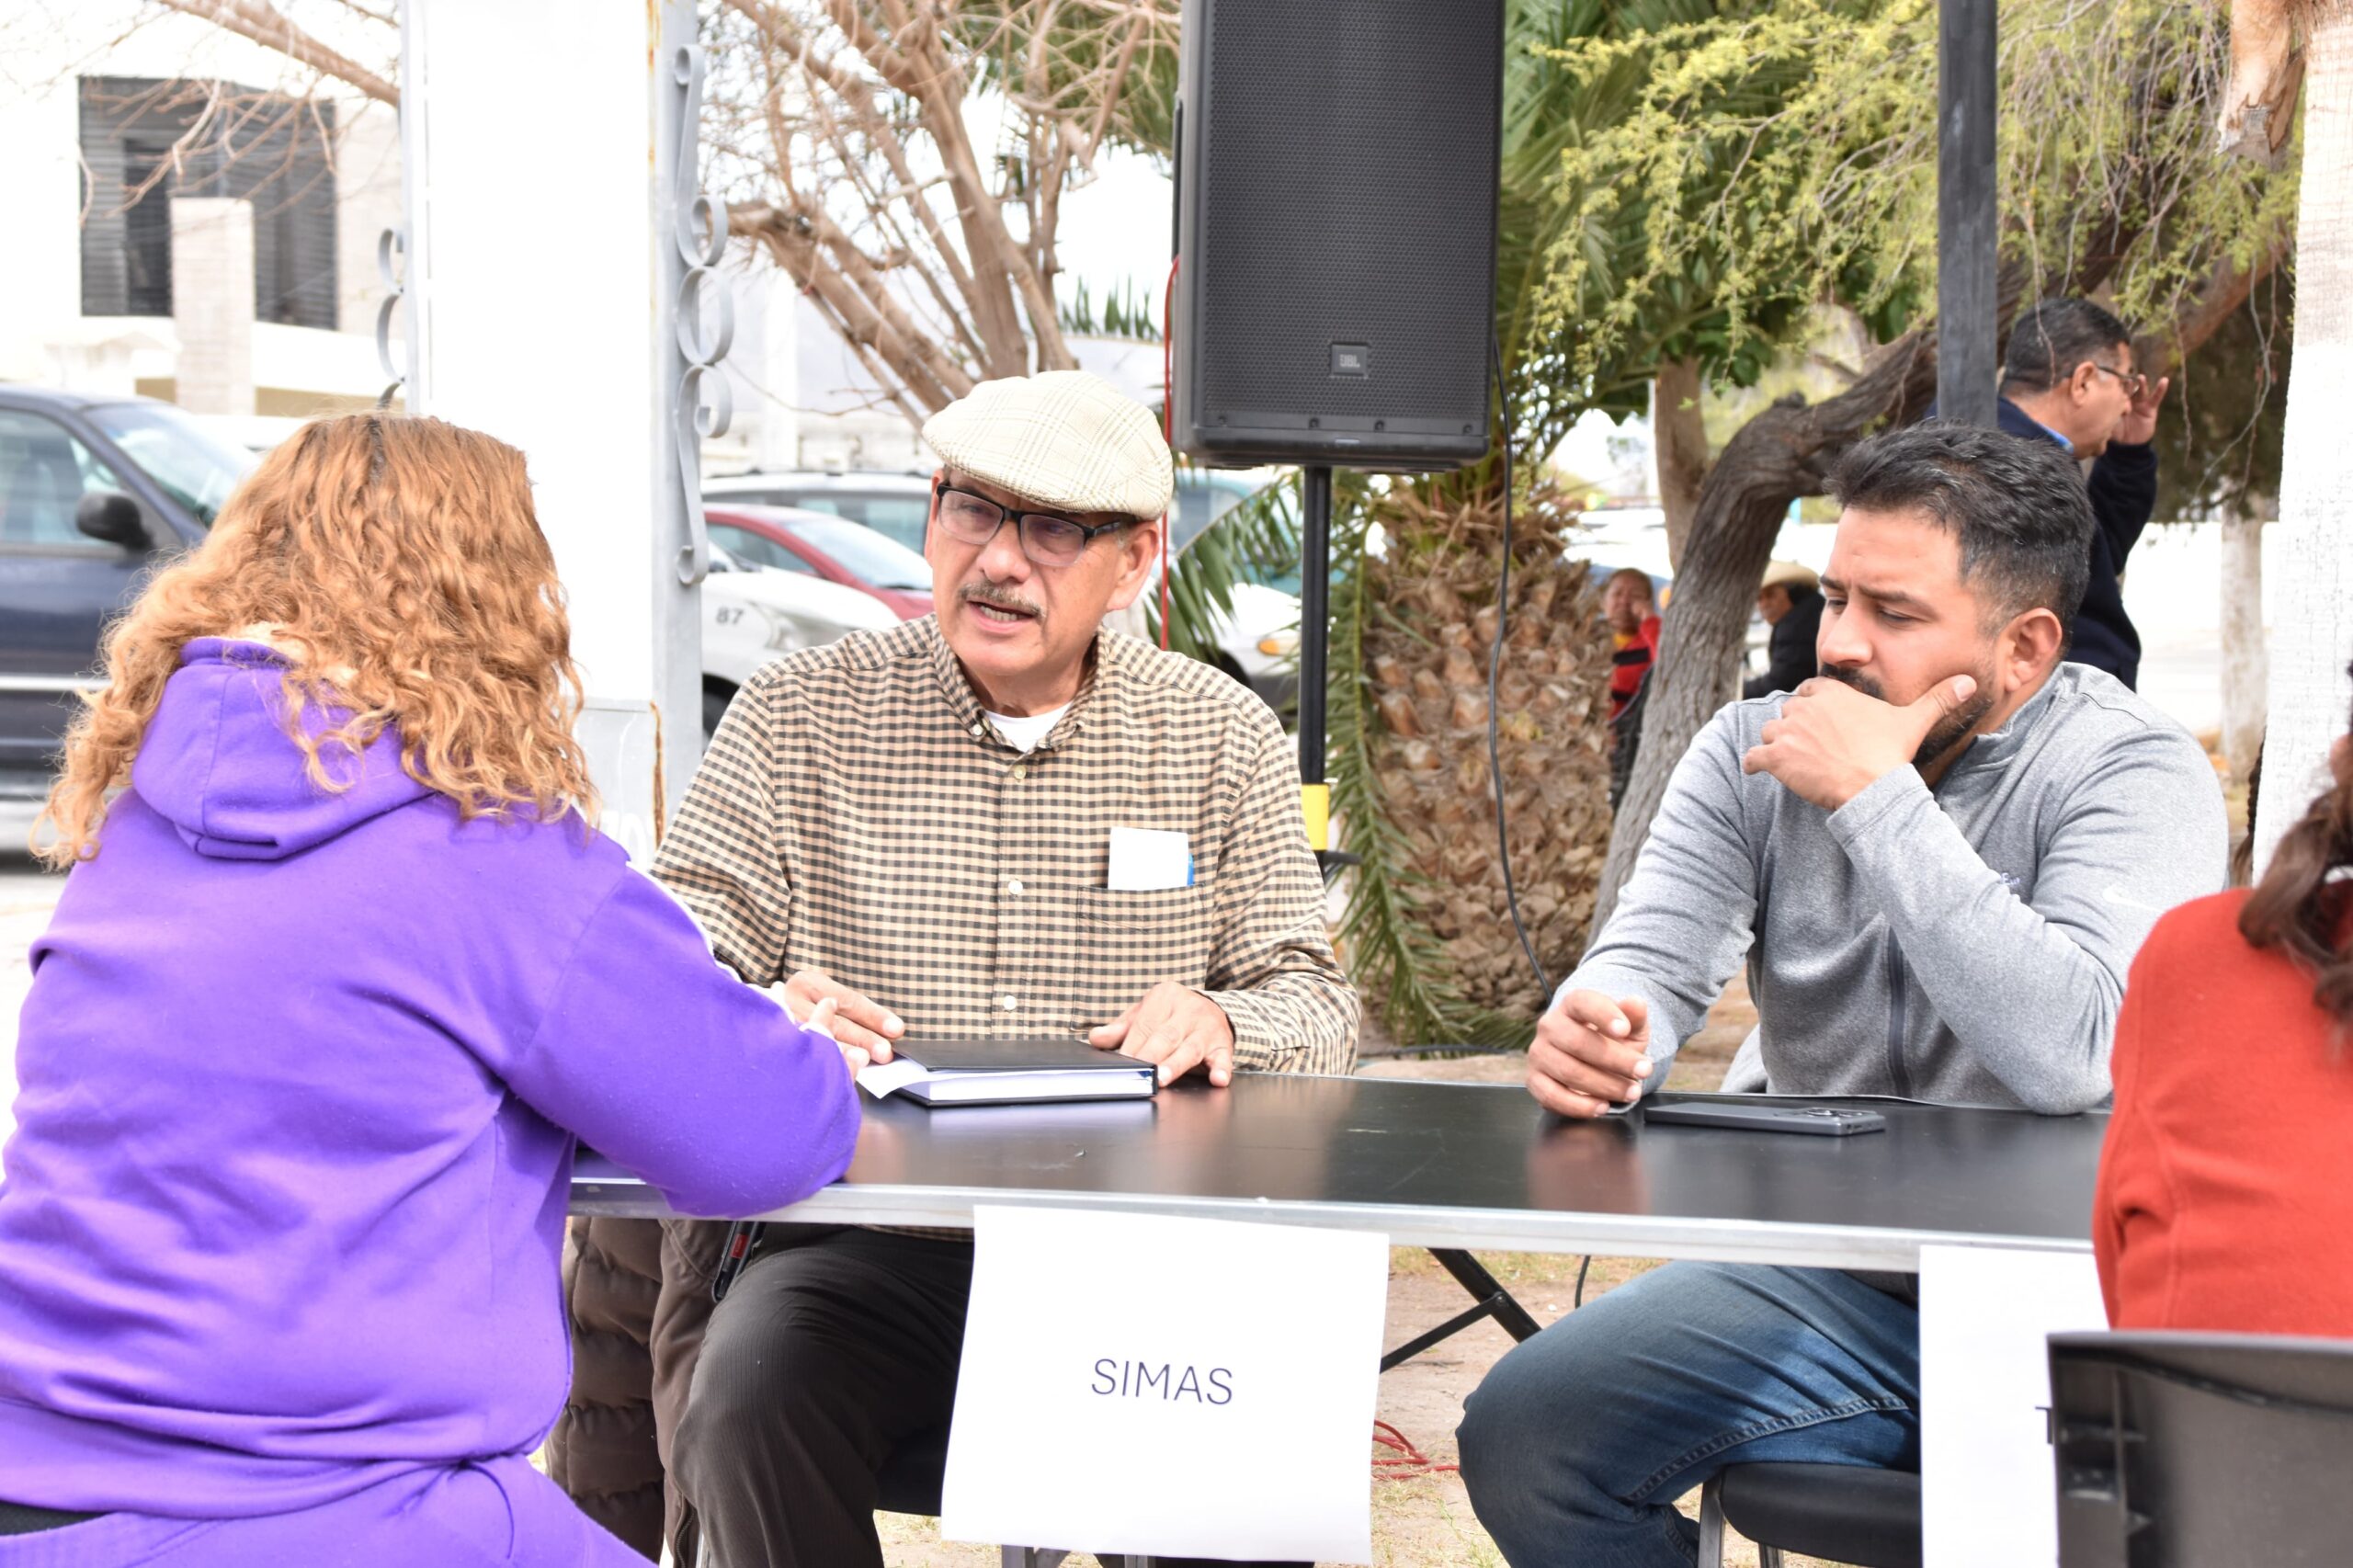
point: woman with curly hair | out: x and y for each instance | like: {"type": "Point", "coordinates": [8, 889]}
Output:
{"type": "Point", "coordinates": [341, 977]}
{"type": "Point", "coordinates": [2226, 1188]}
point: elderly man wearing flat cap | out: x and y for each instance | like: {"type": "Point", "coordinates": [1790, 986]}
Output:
{"type": "Point", "coordinates": [917, 823]}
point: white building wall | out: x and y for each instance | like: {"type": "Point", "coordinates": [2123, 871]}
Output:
{"type": "Point", "coordinates": [40, 190]}
{"type": "Point", "coordinates": [367, 192]}
{"type": "Point", "coordinates": [46, 46]}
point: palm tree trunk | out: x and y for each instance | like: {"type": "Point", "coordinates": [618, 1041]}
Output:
{"type": "Point", "coordinates": [2309, 687]}
{"type": "Point", "coordinates": [2245, 665]}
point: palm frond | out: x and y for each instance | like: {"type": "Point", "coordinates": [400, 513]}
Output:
{"type": "Point", "coordinates": [1261, 533]}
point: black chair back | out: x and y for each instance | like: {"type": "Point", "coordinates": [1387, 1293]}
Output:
{"type": "Point", "coordinates": [2187, 1451]}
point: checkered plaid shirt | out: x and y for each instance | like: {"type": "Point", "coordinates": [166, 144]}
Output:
{"type": "Point", "coordinates": [857, 813]}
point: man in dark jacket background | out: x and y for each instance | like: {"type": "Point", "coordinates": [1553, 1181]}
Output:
{"type": "Point", "coordinates": [2068, 377]}
{"type": "Point", "coordinates": [1790, 602]}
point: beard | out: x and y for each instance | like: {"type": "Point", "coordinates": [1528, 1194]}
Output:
{"type": "Point", "coordinates": [1951, 729]}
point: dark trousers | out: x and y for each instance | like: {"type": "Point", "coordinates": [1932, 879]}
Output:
{"type": "Point", "coordinates": [823, 1358]}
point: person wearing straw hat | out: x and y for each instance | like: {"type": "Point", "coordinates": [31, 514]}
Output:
{"type": "Point", "coordinates": [1791, 601]}
{"type": "Point", "coordinates": [918, 824]}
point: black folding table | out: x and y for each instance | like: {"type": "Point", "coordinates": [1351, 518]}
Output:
{"type": "Point", "coordinates": [1456, 1167]}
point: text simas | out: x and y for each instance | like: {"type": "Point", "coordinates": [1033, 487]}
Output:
{"type": "Point", "coordinates": [1144, 1380]}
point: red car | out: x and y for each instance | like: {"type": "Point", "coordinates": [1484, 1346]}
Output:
{"type": "Point", "coordinates": [821, 545]}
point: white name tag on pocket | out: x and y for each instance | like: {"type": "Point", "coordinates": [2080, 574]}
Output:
{"type": "Point", "coordinates": [1146, 859]}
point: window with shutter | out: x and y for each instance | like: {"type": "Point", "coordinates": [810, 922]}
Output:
{"type": "Point", "coordinates": [272, 152]}
{"type": "Point", "coordinates": [147, 228]}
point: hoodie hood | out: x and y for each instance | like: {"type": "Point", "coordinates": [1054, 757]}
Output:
{"type": "Point", "coordinates": [217, 763]}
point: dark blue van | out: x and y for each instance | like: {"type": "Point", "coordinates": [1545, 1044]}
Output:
{"type": "Point", "coordinates": [94, 491]}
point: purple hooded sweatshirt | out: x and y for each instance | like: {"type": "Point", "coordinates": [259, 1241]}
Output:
{"type": "Point", "coordinates": [301, 1075]}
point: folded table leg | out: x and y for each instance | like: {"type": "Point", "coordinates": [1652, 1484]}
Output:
{"type": "Point", "coordinates": [1491, 1300]}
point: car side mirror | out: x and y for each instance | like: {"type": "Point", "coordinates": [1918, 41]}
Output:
{"type": "Point", "coordinates": [112, 518]}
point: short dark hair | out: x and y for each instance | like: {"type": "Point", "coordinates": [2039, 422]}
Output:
{"type": "Point", "coordinates": [2019, 506]}
{"type": "Point", "coordinates": [2048, 340]}
{"type": "Point", "coordinates": [1650, 594]}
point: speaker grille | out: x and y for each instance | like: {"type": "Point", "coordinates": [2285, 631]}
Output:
{"type": "Point", "coordinates": [1345, 246]}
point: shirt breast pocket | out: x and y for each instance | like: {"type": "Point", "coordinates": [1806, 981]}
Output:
{"type": "Point", "coordinates": [1136, 938]}
{"type": "Point", "coordinates": [1147, 911]}
{"type": "Point", "coordinates": [1128, 942]}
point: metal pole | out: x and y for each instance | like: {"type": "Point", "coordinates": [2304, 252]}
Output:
{"type": "Point", "coordinates": [1314, 620]}
{"type": "Point", "coordinates": [1966, 212]}
{"type": "Point", "coordinates": [694, 325]}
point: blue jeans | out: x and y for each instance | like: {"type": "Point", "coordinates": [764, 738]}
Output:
{"type": "Point", "coordinates": [1578, 1443]}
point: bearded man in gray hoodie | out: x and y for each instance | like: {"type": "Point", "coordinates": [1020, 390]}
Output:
{"type": "Point", "coordinates": [1937, 858]}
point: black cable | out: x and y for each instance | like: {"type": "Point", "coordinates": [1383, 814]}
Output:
{"type": "Point", "coordinates": [1578, 1301]}
{"type": "Point", "coordinates": [1495, 665]}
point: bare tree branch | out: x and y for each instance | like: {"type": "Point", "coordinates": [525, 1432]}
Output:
{"type": "Point", "coordinates": [1108, 103]}
{"type": "Point", "coordinates": [264, 24]}
{"type": "Point", "coordinates": [839, 129]}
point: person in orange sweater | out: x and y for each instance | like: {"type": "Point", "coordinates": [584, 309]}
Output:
{"type": "Point", "coordinates": [2225, 1191]}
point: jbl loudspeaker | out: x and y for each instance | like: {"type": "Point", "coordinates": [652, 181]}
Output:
{"type": "Point", "coordinates": [1335, 174]}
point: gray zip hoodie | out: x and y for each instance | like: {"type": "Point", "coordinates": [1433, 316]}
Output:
{"type": "Point", "coordinates": [1967, 945]}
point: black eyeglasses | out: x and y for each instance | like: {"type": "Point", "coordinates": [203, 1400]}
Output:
{"type": "Point", "coordinates": [1046, 539]}
{"type": "Point", "coordinates": [2132, 381]}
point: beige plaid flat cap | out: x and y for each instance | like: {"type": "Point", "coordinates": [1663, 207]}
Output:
{"type": "Point", "coordinates": [1062, 440]}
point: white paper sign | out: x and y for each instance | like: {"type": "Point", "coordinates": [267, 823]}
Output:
{"type": "Point", "coordinates": [1191, 1388]}
{"type": "Point", "coordinates": [1986, 1486]}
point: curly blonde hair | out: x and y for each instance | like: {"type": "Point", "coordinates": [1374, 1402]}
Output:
{"type": "Point", "coordinates": [397, 562]}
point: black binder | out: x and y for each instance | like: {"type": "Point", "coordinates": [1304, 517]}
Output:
{"type": "Point", "coordinates": [1013, 1072]}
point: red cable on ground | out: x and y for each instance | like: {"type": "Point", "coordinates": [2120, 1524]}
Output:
{"type": "Point", "coordinates": [1167, 424]}
{"type": "Point", "coordinates": [1415, 1461]}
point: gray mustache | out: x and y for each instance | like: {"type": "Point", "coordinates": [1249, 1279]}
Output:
{"type": "Point", "coordinates": [989, 594]}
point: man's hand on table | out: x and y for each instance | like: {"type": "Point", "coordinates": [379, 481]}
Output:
{"type": "Point", "coordinates": [857, 1022]}
{"type": "Point", "coordinates": [1176, 1027]}
{"type": "Point", "coordinates": [1832, 742]}
{"type": "Point", "coordinates": [825, 1020]}
{"type": "Point", "coordinates": [1590, 1053]}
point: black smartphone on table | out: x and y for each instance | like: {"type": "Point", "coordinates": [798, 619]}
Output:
{"type": "Point", "coordinates": [1820, 1120]}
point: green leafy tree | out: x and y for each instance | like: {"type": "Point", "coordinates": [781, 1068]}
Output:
{"type": "Point", "coordinates": [2219, 433]}
{"type": "Point", "coordinates": [1427, 932]}
{"type": "Point", "coordinates": [2111, 182]}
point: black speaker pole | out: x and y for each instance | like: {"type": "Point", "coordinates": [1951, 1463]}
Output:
{"type": "Point", "coordinates": [1314, 619]}
{"type": "Point", "coordinates": [1966, 215]}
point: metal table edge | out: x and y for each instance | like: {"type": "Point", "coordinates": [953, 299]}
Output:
{"type": "Point", "coordinates": [1489, 1230]}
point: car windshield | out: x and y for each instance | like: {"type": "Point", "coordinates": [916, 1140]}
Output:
{"type": "Point", "coordinates": [899, 515]}
{"type": "Point", "coordinates": [874, 559]}
{"type": "Point", "coordinates": [189, 463]}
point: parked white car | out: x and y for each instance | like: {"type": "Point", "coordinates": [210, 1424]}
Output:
{"type": "Point", "coordinates": [754, 614]}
